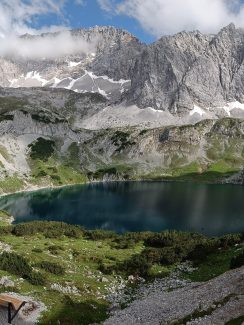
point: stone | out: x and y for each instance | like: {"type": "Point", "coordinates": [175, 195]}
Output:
{"type": "Point", "coordinates": [6, 282]}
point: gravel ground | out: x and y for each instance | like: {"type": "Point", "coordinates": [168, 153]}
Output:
{"type": "Point", "coordinates": [220, 299]}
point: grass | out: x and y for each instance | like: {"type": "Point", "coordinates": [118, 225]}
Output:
{"type": "Point", "coordinates": [194, 172]}
{"type": "Point", "coordinates": [5, 218]}
{"type": "Point", "coordinates": [79, 257]}
{"type": "Point", "coordinates": [11, 184]}
{"type": "Point", "coordinates": [56, 173]}
{"type": "Point", "coordinates": [5, 154]}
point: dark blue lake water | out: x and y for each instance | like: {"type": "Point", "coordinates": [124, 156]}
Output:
{"type": "Point", "coordinates": [136, 206]}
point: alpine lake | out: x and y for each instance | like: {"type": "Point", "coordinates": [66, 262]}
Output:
{"type": "Point", "coordinates": [135, 206]}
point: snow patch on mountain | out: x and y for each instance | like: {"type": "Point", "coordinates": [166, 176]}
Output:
{"type": "Point", "coordinates": [86, 82]}
{"type": "Point", "coordinates": [197, 110]}
{"type": "Point", "coordinates": [73, 64]}
{"type": "Point", "coordinates": [232, 106]}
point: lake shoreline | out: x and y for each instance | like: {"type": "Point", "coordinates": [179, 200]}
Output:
{"type": "Point", "coordinates": [30, 189]}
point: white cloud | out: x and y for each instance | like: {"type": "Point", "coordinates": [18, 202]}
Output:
{"type": "Point", "coordinates": [17, 18]}
{"type": "Point", "coordinates": [160, 17]}
{"type": "Point", "coordinates": [48, 46]}
{"type": "Point", "coordinates": [107, 5]}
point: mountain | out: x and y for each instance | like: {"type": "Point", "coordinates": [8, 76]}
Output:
{"type": "Point", "coordinates": [189, 75]}
{"type": "Point", "coordinates": [124, 110]}
{"type": "Point", "coordinates": [104, 70]}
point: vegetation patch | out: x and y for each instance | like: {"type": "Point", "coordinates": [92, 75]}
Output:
{"type": "Point", "coordinates": [55, 253]}
{"type": "Point", "coordinates": [121, 140]}
{"type": "Point", "coordinates": [56, 173]}
{"type": "Point", "coordinates": [43, 118]}
{"type": "Point", "coordinates": [118, 171]}
{"type": "Point", "coordinates": [11, 184]}
{"type": "Point", "coordinates": [237, 261]}
{"type": "Point", "coordinates": [41, 149]}
{"type": "Point", "coordinates": [52, 267]}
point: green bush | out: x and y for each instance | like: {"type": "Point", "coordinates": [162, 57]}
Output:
{"type": "Point", "coordinates": [201, 251]}
{"type": "Point", "coordinates": [100, 234]}
{"type": "Point", "coordinates": [36, 278]}
{"type": "Point", "coordinates": [230, 240]}
{"type": "Point", "coordinates": [51, 229]}
{"type": "Point", "coordinates": [15, 264]}
{"type": "Point", "coordinates": [237, 261]}
{"type": "Point", "coordinates": [122, 243]}
{"type": "Point", "coordinates": [171, 238]}
{"type": "Point", "coordinates": [136, 265]}
{"type": "Point", "coordinates": [52, 233]}
{"type": "Point", "coordinates": [4, 230]}
{"type": "Point", "coordinates": [37, 250]}
{"type": "Point", "coordinates": [55, 249]}
{"type": "Point", "coordinates": [52, 267]}
{"type": "Point", "coordinates": [41, 149]}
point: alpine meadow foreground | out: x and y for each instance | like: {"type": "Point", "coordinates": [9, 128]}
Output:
{"type": "Point", "coordinates": [76, 274]}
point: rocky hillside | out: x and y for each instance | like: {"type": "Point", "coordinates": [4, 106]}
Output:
{"type": "Point", "coordinates": [42, 142]}
{"type": "Point", "coordinates": [218, 301]}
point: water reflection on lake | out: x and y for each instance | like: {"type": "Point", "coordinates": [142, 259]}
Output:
{"type": "Point", "coordinates": [136, 206]}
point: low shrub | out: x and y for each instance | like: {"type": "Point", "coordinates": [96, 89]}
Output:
{"type": "Point", "coordinates": [41, 149]}
{"type": "Point", "coordinates": [4, 230]}
{"type": "Point", "coordinates": [201, 251]}
{"type": "Point", "coordinates": [50, 229]}
{"type": "Point", "coordinates": [230, 240]}
{"type": "Point", "coordinates": [122, 243]}
{"type": "Point", "coordinates": [15, 264]}
{"type": "Point", "coordinates": [237, 261]}
{"type": "Point", "coordinates": [171, 238]}
{"type": "Point", "coordinates": [37, 250]}
{"type": "Point", "coordinates": [36, 278]}
{"type": "Point", "coordinates": [100, 234]}
{"type": "Point", "coordinates": [55, 249]}
{"type": "Point", "coordinates": [52, 267]}
{"type": "Point", "coordinates": [137, 265]}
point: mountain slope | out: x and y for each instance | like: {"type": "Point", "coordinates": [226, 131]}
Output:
{"type": "Point", "coordinates": [42, 143]}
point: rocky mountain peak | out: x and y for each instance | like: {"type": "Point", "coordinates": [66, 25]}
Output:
{"type": "Point", "coordinates": [174, 74]}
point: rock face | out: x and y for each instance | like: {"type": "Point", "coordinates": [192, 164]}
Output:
{"type": "Point", "coordinates": [211, 147]}
{"type": "Point", "coordinates": [175, 74]}
{"type": "Point", "coordinates": [104, 68]}
{"type": "Point", "coordinates": [190, 68]}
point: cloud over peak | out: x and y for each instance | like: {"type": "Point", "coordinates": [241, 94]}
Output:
{"type": "Point", "coordinates": [46, 46]}
{"type": "Point", "coordinates": [160, 17]}
{"type": "Point", "coordinates": [17, 17]}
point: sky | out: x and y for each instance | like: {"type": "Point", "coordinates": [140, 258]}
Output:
{"type": "Point", "coordinates": [146, 19]}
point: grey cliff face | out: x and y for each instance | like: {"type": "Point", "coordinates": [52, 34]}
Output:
{"type": "Point", "coordinates": [189, 68]}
